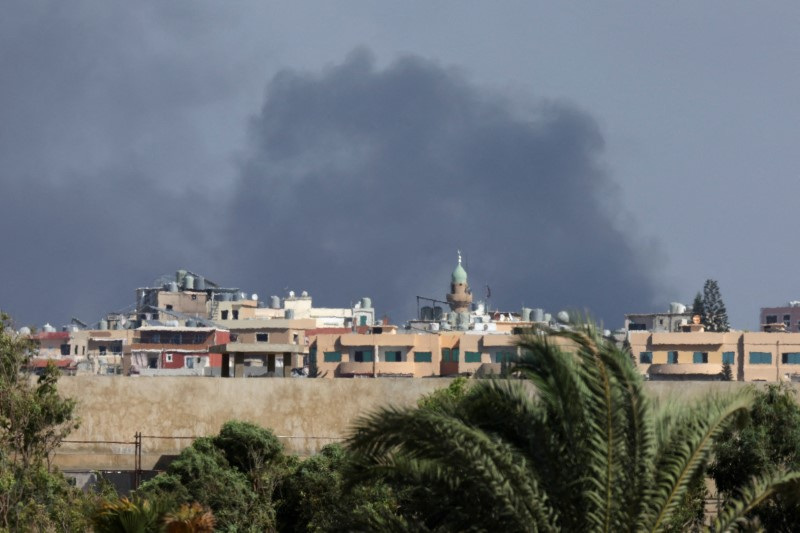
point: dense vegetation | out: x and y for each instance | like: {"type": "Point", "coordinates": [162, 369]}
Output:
{"type": "Point", "coordinates": [574, 445]}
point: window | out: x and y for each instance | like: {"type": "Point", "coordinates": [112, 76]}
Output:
{"type": "Point", "coordinates": [262, 337]}
{"type": "Point", "coordinates": [236, 315]}
{"type": "Point", "coordinates": [155, 338]}
{"type": "Point", "coordinates": [727, 357]}
{"type": "Point", "coordinates": [446, 355]}
{"type": "Point", "coordinates": [363, 356]}
{"type": "Point", "coordinates": [65, 349]}
{"type": "Point", "coordinates": [312, 355]}
{"type": "Point", "coordinates": [169, 307]}
{"type": "Point", "coordinates": [189, 362]}
{"type": "Point", "coordinates": [791, 358]}
{"type": "Point", "coordinates": [332, 357]}
{"type": "Point", "coordinates": [633, 326]}
{"type": "Point", "coordinates": [76, 349]}
{"type": "Point", "coordinates": [472, 357]}
{"type": "Point", "coordinates": [645, 358]}
{"type": "Point", "coordinates": [83, 350]}
{"type": "Point", "coordinates": [504, 357]}
{"type": "Point", "coordinates": [700, 358]}
{"type": "Point", "coordinates": [760, 358]}
{"type": "Point", "coordinates": [101, 350]}
{"type": "Point", "coordinates": [672, 358]}
{"type": "Point", "coordinates": [225, 315]}
{"type": "Point", "coordinates": [168, 358]}
{"type": "Point", "coordinates": [362, 320]}
{"type": "Point", "coordinates": [194, 297]}
{"type": "Point", "coordinates": [422, 357]}
{"type": "Point", "coordinates": [295, 338]}
{"type": "Point", "coordinates": [772, 319]}
{"type": "Point", "coordinates": [787, 319]}
{"type": "Point", "coordinates": [393, 357]}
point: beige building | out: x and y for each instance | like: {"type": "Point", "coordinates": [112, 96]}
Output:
{"type": "Point", "coordinates": [265, 346]}
{"type": "Point", "coordinates": [753, 356]}
{"type": "Point", "coordinates": [395, 354]}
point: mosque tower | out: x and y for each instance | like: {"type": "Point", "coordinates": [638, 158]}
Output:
{"type": "Point", "coordinates": [460, 297]}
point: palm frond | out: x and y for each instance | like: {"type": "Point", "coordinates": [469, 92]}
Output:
{"type": "Point", "coordinates": [686, 451]}
{"type": "Point", "coordinates": [396, 437]}
{"type": "Point", "coordinates": [734, 513]}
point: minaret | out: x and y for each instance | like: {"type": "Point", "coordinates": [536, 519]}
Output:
{"type": "Point", "coordinates": [460, 297]}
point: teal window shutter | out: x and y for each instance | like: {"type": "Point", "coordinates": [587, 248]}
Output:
{"type": "Point", "coordinates": [760, 358]}
{"type": "Point", "coordinates": [700, 357]}
{"type": "Point", "coordinates": [332, 357]}
{"type": "Point", "coordinates": [645, 358]}
{"type": "Point", "coordinates": [446, 355]}
{"type": "Point", "coordinates": [727, 357]}
{"type": "Point", "coordinates": [422, 357]}
{"type": "Point", "coordinates": [472, 357]}
{"type": "Point", "coordinates": [791, 358]}
{"type": "Point", "coordinates": [672, 358]}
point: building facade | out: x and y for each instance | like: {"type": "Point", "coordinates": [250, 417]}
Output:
{"type": "Point", "coordinates": [752, 356]}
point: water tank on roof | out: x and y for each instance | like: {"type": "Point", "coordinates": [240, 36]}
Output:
{"type": "Point", "coordinates": [291, 294]}
{"type": "Point", "coordinates": [563, 317]}
{"type": "Point", "coordinates": [526, 314]}
{"type": "Point", "coordinates": [288, 313]}
{"type": "Point", "coordinates": [24, 330]}
{"type": "Point", "coordinates": [548, 317]}
{"type": "Point", "coordinates": [47, 328]}
{"type": "Point", "coordinates": [437, 312]}
{"type": "Point", "coordinates": [274, 302]}
{"type": "Point", "coordinates": [537, 315]}
{"type": "Point", "coordinates": [254, 297]}
{"type": "Point", "coordinates": [226, 297]}
{"type": "Point", "coordinates": [191, 323]}
{"type": "Point", "coordinates": [104, 324]}
{"type": "Point", "coordinates": [794, 303]}
{"type": "Point", "coordinates": [236, 296]}
{"type": "Point", "coordinates": [188, 282]}
{"type": "Point", "coordinates": [200, 283]}
{"type": "Point", "coordinates": [426, 313]}
{"type": "Point", "coordinates": [172, 323]}
{"type": "Point", "coordinates": [304, 294]}
{"type": "Point", "coordinates": [172, 286]}
{"type": "Point", "coordinates": [366, 303]}
{"type": "Point", "coordinates": [677, 308]}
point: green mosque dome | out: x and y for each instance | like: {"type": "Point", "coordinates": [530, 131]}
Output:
{"type": "Point", "coordinates": [459, 274]}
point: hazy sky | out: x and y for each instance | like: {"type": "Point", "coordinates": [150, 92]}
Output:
{"type": "Point", "coordinates": [609, 156]}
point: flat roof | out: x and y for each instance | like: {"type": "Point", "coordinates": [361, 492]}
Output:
{"type": "Point", "coordinates": [257, 347]}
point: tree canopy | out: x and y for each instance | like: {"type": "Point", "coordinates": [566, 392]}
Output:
{"type": "Point", "coordinates": [714, 316]}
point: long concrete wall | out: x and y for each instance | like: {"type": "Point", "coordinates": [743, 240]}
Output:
{"type": "Point", "coordinates": [306, 413]}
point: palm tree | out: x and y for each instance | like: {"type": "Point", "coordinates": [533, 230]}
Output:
{"type": "Point", "coordinates": [584, 449]}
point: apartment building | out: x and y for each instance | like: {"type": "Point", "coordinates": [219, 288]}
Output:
{"type": "Point", "coordinates": [753, 356]}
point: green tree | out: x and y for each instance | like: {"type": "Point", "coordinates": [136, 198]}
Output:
{"type": "Point", "coordinates": [34, 419]}
{"type": "Point", "coordinates": [727, 372]}
{"type": "Point", "coordinates": [715, 316]}
{"type": "Point", "coordinates": [585, 451]}
{"type": "Point", "coordinates": [697, 306]}
{"type": "Point", "coordinates": [234, 474]}
{"type": "Point", "coordinates": [315, 497]}
{"type": "Point", "coordinates": [768, 441]}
